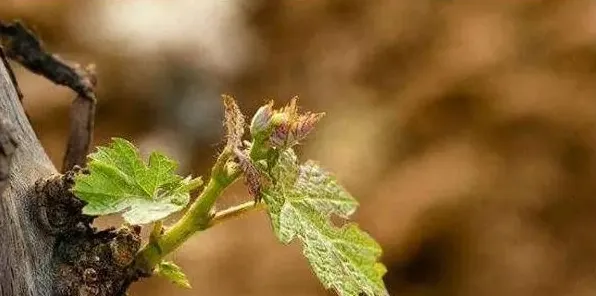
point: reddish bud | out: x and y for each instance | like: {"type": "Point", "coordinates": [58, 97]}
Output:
{"type": "Point", "coordinates": [291, 127]}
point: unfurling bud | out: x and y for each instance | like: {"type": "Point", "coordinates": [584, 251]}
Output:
{"type": "Point", "coordinates": [305, 124]}
{"type": "Point", "coordinates": [291, 127]}
{"type": "Point", "coordinates": [289, 133]}
{"type": "Point", "coordinates": [280, 135]}
{"type": "Point", "coordinates": [284, 128]}
{"type": "Point", "coordinates": [261, 121]}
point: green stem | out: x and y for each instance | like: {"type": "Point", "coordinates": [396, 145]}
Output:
{"type": "Point", "coordinates": [199, 216]}
{"type": "Point", "coordinates": [235, 211]}
{"type": "Point", "coordinates": [196, 218]}
{"type": "Point", "coordinates": [259, 149]}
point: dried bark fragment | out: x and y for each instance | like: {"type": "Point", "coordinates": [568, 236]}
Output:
{"type": "Point", "coordinates": [82, 118]}
{"type": "Point", "coordinates": [24, 47]}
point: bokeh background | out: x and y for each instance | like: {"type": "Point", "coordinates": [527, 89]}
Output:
{"type": "Point", "coordinates": [467, 129]}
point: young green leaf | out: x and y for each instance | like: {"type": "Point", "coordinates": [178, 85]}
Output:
{"type": "Point", "coordinates": [120, 181]}
{"type": "Point", "coordinates": [300, 204]}
{"type": "Point", "coordinates": [172, 272]}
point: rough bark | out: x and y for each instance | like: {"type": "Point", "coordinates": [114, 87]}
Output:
{"type": "Point", "coordinates": [25, 249]}
{"type": "Point", "coordinates": [47, 245]}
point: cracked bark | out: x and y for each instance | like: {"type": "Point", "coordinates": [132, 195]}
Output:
{"type": "Point", "coordinates": [26, 249]}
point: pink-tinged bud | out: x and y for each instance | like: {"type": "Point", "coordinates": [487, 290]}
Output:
{"type": "Point", "coordinates": [305, 124]}
{"type": "Point", "coordinates": [289, 127]}
{"type": "Point", "coordinates": [279, 118]}
{"type": "Point", "coordinates": [261, 121]}
{"type": "Point", "coordinates": [280, 135]}
{"type": "Point", "coordinates": [292, 108]}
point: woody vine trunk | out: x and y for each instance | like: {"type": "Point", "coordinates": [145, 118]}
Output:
{"type": "Point", "coordinates": [25, 248]}
{"type": "Point", "coordinates": [47, 246]}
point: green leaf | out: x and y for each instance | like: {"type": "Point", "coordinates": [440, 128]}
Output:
{"type": "Point", "coordinates": [120, 181]}
{"type": "Point", "coordinates": [173, 273]}
{"type": "Point", "coordinates": [300, 204]}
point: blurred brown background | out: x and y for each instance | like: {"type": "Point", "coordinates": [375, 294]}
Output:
{"type": "Point", "coordinates": [467, 129]}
